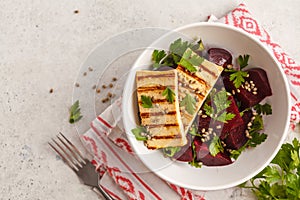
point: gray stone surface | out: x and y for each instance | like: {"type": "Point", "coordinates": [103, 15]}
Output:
{"type": "Point", "coordinates": [42, 46]}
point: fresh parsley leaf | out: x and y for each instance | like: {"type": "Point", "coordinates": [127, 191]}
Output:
{"type": "Point", "coordinates": [238, 78]}
{"type": "Point", "coordinates": [271, 174]}
{"type": "Point", "coordinates": [220, 100]}
{"type": "Point", "coordinates": [140, 133]}
{"type": "Point", "coordinates": [243, 61]}
{"type": "Point", "coordinates": [225, 117]}
{"type": "Point", "coordinates": [210, 111]}
{"type": "Point", "coordinates": [264, 109]}
{"type": "Point", "coordinates": [257, 138]}
{"type": "Point", "coordinates": [194, 131]}
{"type": "Point", "coordinates": [200, 46]}
{"type": "Point", "coordinates": [194, 162]}
{"type": "Point", "coordinates": [190, 60]}
{"type": "Point", "coordinates": [157, 57]}
{"type": "Point", "coordinates": [169, 94]}
{"type": "Point", "coordinates": [179, 47]}
{"type": "Point", "coordinates": [75, 114]}
{"type": "Point", "coordinates": [170, 151]}
{"type": "Point", "coordinates": [189, 103]}
{"type": "Point", "coordinates": [218, 110]}
{"type": "Point", "coordinates": [236, 153]}
{"type": "Point", "coordinates": [281, 179]}
{"type": "Point", "coordinates": [215, 146]}
{"type": "Point", "coordinates": [257, 124]}
{"type": "Point", "coordinates": [146, 101]}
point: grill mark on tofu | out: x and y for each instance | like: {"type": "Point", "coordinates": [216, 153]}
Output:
{"type": "Point", "coordinates": [147, 115]}
{"type": "Point", "coordinates": [161, 125]}
{"type": "Point", "coordinates": [193, 76]}
{"type": "Point", "coordinates": [157, 101]}
{"type": "Point", "coordinates": [167, 137]}
{"type": "Point", "coordinates": [154, 88]}
{"type": "Point", "coordinates": [192, 90]}
{"type": "Point", "coordinates": [156, 76]}
{"type": "Point", "coordinates": [208, 71]}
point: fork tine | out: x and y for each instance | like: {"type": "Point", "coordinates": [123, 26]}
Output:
{"type": "Point", "coordinates": [74, 148]}
{"type": "Point", "coordinates": [75, 166]}
{"type": "Point", "coordinates": [79, 163]}
{"type": "Point", "coordinates": [62, 156]}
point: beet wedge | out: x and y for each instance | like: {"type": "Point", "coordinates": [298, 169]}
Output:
{"type": "Point", "coordinates": [204, 156]}
{"type": "Point", "coordinates": [259, 88]}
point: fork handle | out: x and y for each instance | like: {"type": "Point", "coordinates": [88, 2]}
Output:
{"type": "Point", "coordinates": [100, 191]}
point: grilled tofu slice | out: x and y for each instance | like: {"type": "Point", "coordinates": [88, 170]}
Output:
{"type": "Point", "coordinates": [193, 87]}
{"type": "Point", "coordinates": [162, 120]}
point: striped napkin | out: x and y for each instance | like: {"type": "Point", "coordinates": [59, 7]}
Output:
{"type": "Point", "coordinates": [114, 157]}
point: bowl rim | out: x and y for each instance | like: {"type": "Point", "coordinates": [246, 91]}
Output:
{"type": "Point", "coordinates": [286, 86]}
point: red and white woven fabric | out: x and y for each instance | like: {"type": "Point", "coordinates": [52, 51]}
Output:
{"type": "Point", "coordinates": [124, 176]}
{"type": "Point", "coordinates": [241, 17]}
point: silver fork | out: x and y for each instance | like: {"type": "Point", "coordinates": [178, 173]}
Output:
{"type": "Point", "coordinates": [80, 165]}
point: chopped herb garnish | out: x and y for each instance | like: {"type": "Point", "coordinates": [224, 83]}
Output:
{"type": "Point", "coordinates": [140, 133]}
{"type": "Point", "coordinates": [218, 111]}
{"type": "Point", "coordinates": [238, 76]}
{"type": "Point", "coordinates": [194, 131]}
{"type": "Point", "coordinates": [146, 101]}
{"type": "Point", "coordinates": [256, 139]}
{"type": "Point", "coordinates": [176, 51]}
{"type": "Point", "coordinates": [190, 60]}
{"type": "Point", "coordinates": [194, 162]}
{"type": "Point", "coordinates": [215, 146]}
{"type": "Point", "coordinates": [170, 151]}
{"type": "Point", "coordinates": [243, 61]}
{"type": "Point", "coordinates": [75, 114]}
{"type": "Point", "coordinates": [157, 57]}
{"type": "Point", "coordinates": [189, 103]}
{"type": "Point", "coordinates": [265, 109]}
{"type": "Point", "coordinates": [169, 94]}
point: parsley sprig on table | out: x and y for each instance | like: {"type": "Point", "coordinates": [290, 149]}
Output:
{"type": "Point", "coordinates": [238, 76]}
{"type": "Point", "coordinates": [175, 53]}
{"type": "Point", "coordinates": [281, 179]}
{"type": "Point", "coordinates": [218, 111]}
{"type": "Point", "coordinates": [75, 114]}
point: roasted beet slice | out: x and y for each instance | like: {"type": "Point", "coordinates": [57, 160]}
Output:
{"type": "Point", "coordinates": [220, 128]}
{"type": "Point", "coordinates": [258, 80]}
{"type": "Point", "coordinates": [236, 138]}
{"type": "Point", "coordinates": [185, 156]}
{"type": "Point", "coordinates": [207, 159]}
{"type": "Point", "coordinates": [261, 81]}
{"type": "Point", "coordinates": [219, 56]}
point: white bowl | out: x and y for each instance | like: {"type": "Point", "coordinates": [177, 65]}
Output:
{"type": "Point", "coordinates": [251, 161]}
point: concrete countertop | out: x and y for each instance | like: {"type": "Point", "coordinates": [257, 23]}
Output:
{"type": "Point", "coordinates": [42, 46]}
